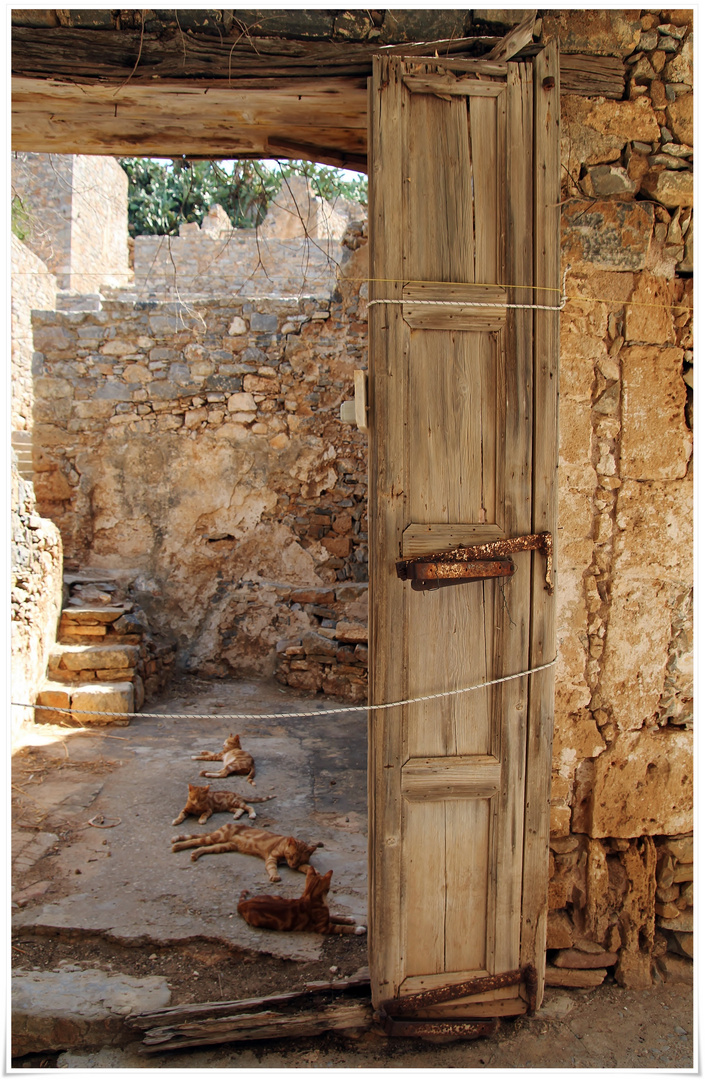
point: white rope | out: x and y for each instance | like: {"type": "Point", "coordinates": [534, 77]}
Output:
{"type": "Point", "coordinates": [279, 715]}
{"type": "Point", "coordinates": [484, 304]}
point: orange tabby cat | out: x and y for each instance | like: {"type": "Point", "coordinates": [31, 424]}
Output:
{"type": "Point", "coordinates": [235, 760]}
{"type": "Point", "coordinates": [250, 841]}
{"type": "Point", "coordinates": [308, 912]}
{"type": "Point", "coordinates": [202, 802]}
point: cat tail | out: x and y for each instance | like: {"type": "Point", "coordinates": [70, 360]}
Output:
{"type": "Point", "coordinates": [261, 798]}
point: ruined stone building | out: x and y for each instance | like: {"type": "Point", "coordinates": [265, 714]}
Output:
{"type": "Point", "coordinates": [183, 414]}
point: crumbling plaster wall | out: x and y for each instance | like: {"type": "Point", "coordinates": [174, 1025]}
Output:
{"type": "Point", "coordinates": [200, 444]}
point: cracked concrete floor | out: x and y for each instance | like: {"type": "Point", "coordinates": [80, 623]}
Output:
{"type": "Point", "coordinates": [122, 881]}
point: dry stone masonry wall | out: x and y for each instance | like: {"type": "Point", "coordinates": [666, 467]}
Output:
{"type": "Point", "coordinates": [199, 446]}
{"type": "Point", "coordinates": [622, 781]}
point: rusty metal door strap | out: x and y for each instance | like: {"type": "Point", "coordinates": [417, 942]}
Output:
{"type": "Point", "coordinates": [397, 1015]}
{"type": "Point", "coordinates": [474, 563]}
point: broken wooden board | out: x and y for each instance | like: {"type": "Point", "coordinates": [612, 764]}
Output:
{"type": "Point", "coordinates": [343, 1005]}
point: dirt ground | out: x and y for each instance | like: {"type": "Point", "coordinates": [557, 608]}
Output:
{"type": "Point", "coordinates": [603, 1028]}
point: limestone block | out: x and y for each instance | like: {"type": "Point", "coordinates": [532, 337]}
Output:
{"type": "Point", "coordinates": [642, 785]}
{"type": "Point", "coordinates": [684, 942]}
{"type": "Point", "coordinates": [680, 847]}
{"type": "Point", "coordinates": [54, 1010]}
{"type": "Point", "coordinates": [633, 970]}
{"type": "Point", "coordinates": [90, 615]}
{"type": "Point", "coordinates": [595, 131]}
{"type": "Point", "coordinates": [578, 354]}
{"type": "Point", "coordinates": [577, 958]}
{"type": "Point", "coordinates": [559, 932]}
{"type": "Point", "coordinates": [669, 187]}
{"type": "Point", "coordinates": [137, 373]}
{"type": "Point", "coordinates": [575, 434]}
{"type": "Point", "coordinates": [675, 969]}
{"type": "Point", "coordinates": [649, 315]}
{"type": "Point", "coordinates": [680, 68]}
{"type": "Point", "coordinates": [636, 652]}
{"type": "Point", "coordinates": [317, 644]}
{"type": "Point", "coordinates": [608, 234]}
{"type": "Point", "coordinates": [351, 632]}
{"type": "Point", "coordinates": [257, 384]}
{"type": "Point", "coordinates": [656, 442]}
{"type": "Point", "coordinates": [654, 531]}
{"type": "Point", "coordinates": [242, 402]}
{"type": "Point", "coordinates": [94, 657]}
{"type": "Point", "coordinates": [682, 921]}
{"type": "Point", "coordinates": [116, 697]}
{"type": "Point", "coordinates": [572, 691]}
{"type": "Point", "coordinates": [58, 697]}
{"type": "Point", "coordinates": [601, 181]}
{"type": "Point", "coordinates": [679, 115]}
{"type": "Point", "coordinates": [574, 977]}
{"type": "Point", "coordinates": [575, 738]}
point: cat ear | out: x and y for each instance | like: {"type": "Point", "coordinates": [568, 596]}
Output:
{"type": "Point", "coordinates": [328, 876]}
{"type": "Point", "coordinates": [206, 787]}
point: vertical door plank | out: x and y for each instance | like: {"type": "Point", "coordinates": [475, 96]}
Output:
{"type": "Point", "coordinates": [467, 855]}
{"type": "Point", "coordinates": [424, 887]}
{"type": "Point", "coordinates": [545, 465]}
{"type": "Point", "coordinates": [440, 243]}
{"type": "Point", "coordinates": [512, 599]}
{"type": "Point", "coordinates": [386, 486]}
{"type": "Point", "coordinates": [486, 180]}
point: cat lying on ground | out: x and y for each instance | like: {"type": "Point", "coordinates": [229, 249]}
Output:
{"type": "Point", "coordinates": [235, 760]}
{"type": "Point", "coordinates": [202, 802]}
{"type": "Point", "coordinates": [250, 841]}
{"type": "Point", "coordinates": [308, 912]}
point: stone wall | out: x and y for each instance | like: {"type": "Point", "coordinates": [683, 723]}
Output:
{"type": "Point", "coordinates": [36, 598]}
{"type": "Point", "coordinates": [77, 207]}
{"type": "Point", "coordinates": [33, 286]}
{"type": "Point", "coordinates": [623, 745]}
{"type": "Point", "coordinates": [200, 447]}
{"type": "Point", "coordinates": [296, 251]}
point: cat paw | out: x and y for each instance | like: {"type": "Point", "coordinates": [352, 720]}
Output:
{"type": "Point", "coordinates": [360, 930]}
{"type": "Point", "coordinates": [194, 857]}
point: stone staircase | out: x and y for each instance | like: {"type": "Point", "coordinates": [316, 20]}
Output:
{"type": "Point", "coordinates": [105, 658]}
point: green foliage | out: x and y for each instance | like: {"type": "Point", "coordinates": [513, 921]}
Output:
{"type": "Point", "coordinates": [20, 219]}
{"type": "Point", "coordinates": [164, 195]}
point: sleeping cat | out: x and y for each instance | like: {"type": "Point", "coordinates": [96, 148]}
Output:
{"type": "Point", "coordinates": [234, 758]}
{"type": "Point", "coordinates": [203, 802]}
{"type": "Point", "coordinates": [308, 912]}
{"type": "Point", "coordinates": [250, 841]}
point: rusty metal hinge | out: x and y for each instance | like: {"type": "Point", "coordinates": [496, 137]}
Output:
{"type": "Point", "coordinates": [474, 563]}
{"type": "Point", "coordinates": [398, 1014]}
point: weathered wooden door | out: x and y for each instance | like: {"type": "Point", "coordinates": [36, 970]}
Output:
{"type": "Point", "coordinates": [463, 403]}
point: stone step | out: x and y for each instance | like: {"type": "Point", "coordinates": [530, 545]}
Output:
{"type": "Point", "coordinates": [116, 624]}
{"type": "Point", "coordinates": [66, 662]}
{"type": "Point", "coordinates": [105, 697]}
